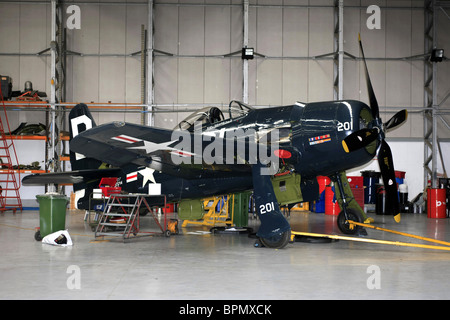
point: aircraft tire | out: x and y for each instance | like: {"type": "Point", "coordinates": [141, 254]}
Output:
{"type": "Point", "coordinates": [143, 211]}
{"type": "Point", "coordinates": [37, 236]}
{"type": "Point", "coordinates": [277, 242]}
{"type": "Point", "coordinates": [344, 226]}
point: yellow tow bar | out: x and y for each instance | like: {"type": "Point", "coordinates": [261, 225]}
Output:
{"type": "Point", "coordinates": [396, 243]}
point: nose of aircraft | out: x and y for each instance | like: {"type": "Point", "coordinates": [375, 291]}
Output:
{"type": "Point", "coordinates": [364, 134]}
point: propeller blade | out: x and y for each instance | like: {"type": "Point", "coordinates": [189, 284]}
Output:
{"type": "Point", "coordinates": [372, 99]}
{"type": "Point", "coordinates": [388, 174]}
{"type": "Point", "coordinates": [397, 119]}
{"type": "Point", "coordinates": [359, 139]}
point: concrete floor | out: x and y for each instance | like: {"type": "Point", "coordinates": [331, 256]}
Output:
{"type": "Point", "coordinates": [205, 266]}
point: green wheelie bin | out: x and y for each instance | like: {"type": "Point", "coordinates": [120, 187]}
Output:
{"type": "Point", "coordinates": [238, 208]}
{"type": "Point", "coordinates": [52, 214]}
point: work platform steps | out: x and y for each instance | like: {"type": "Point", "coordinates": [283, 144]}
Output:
{"type": "Point", "coordinates": [125, 210]}
{"type": "Point", "coordinates": [120, 217]}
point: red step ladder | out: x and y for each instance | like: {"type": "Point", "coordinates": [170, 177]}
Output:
{"type": "Point", "coordinates": [9, 187]}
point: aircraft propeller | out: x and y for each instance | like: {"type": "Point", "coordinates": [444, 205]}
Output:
{"type": "Point", "coordinates": [361, 138]}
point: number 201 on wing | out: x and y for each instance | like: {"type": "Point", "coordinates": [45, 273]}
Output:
{"type": "Point", "coordinates": [268, 207]}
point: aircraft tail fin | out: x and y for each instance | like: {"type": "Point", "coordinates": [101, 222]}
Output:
{"type": "Point", "coordinates": [86, 172]}
{"type": "Point", "coordinates": [80, 119]}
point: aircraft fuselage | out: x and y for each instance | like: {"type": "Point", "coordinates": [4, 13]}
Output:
{"type": "Point", "coordinates": [314, 130]}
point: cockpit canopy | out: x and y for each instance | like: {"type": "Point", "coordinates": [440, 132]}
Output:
{"type": "Point", "coordinates": [238, 109]}
{"type": "Point", "coordinates": [211, 115]}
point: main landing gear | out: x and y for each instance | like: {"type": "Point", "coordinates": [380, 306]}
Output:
{"type": "Point", "coordinates": [350, 208]}
{"type": "Point", "coordinates": [274, 231]}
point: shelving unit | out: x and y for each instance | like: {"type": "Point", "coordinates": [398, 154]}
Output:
{"type": "Point", "coordinates": [39, 138]}
{"type": "Point", "coordinates": [46, 106]}
{"type": "Point", "coordinates": [64, 138]}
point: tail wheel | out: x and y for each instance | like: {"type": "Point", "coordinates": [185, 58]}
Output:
{"type": "Point", "coordinates": [343, 224]}
{"type": "Point", "coordinates": [278, 241]}
{"type": "Point", "coordinates": [143, 211]}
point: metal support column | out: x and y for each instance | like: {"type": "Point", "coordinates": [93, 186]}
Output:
{"type": "Point", "coordinates": [150, 81]}
{"type": "Point", "coordinates": [430, 97]}
{"type": "Point", "coordinates": [338, 58]}
{"type": "Point", "coordinates": [245, 61]}
{"type": "Point", "coordinates": [143, 78]}
{"type": "Point", "coordinates": [57, 89]}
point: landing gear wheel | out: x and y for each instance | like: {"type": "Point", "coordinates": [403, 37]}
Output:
{"type": "Point", "coordinates": [143, 211]}
{"type": "Point", "coordinates": [278, 241]}
{"type": "Point", "coordinates": [37, 236]}
{"type": "Point", "coordinates": [344, 226]}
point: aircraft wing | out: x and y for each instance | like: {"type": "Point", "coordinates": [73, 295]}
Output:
{"type": "Point", "coordinates": [67, 177]}
{"type": "Point", "coordinates": [171, 152]}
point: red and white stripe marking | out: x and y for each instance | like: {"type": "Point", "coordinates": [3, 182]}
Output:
{"type": "Point", "coordinates": [126, 139]}
{"type": "Point", "coordinates": [182, 153]}
{"type": "Point", "coordinates": [132, 177]}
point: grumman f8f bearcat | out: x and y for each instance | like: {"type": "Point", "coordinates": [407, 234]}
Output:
{"type": "Point", "coordinates": [212, 152]}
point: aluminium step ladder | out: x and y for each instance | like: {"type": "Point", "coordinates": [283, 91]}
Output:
{"type": "Point", "coordinates": [120, 217]}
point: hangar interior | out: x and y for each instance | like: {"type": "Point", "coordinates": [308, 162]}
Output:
{"type": "Point", "coordinates": [154, 62]}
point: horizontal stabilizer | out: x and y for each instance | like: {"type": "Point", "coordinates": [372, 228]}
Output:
{"type": "Point", "coordinates": [68, 177]}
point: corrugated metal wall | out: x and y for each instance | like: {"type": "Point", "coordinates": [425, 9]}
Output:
{"type": "Point", "coordinates": [288, 36]}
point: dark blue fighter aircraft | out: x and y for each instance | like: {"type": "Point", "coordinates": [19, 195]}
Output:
{"type": "Point", "coordinates": [272, 149]}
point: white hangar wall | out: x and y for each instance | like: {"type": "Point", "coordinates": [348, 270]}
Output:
{"type": "Point", "coordinates": [291, 34]}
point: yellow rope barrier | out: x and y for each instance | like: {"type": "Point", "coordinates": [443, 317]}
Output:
{"type": "Point", "coordinates": [396, 243]}
{"type": "Point", "coordinates": [400, 233]}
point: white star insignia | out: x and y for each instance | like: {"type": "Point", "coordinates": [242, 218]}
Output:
{"type": "Point", "coordinates": [147, 173]}
{"type": "Point", "coordinates": [150, 147]}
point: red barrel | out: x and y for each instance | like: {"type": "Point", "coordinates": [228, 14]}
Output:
{"type": "Point", "coordinates": [323, 181]}
{"type": "Point", "coordinates": [331, 204]}
{"type": "Point", "coordinates": [436, 207]}
{"type": "Point", "coordinates": [168, 208]}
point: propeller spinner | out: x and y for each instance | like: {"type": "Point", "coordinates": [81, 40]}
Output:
{"type": "Point", "coordinates": [361, 138]}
